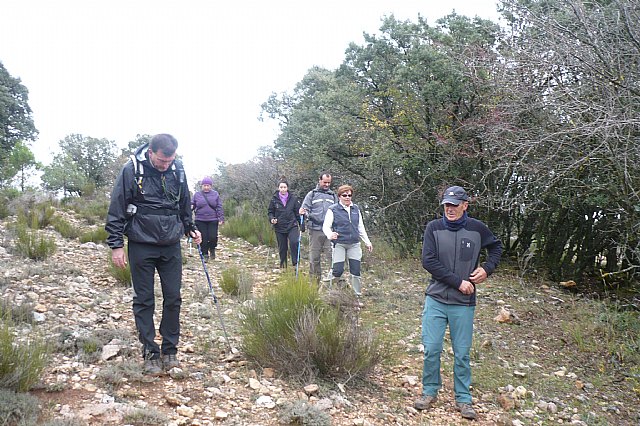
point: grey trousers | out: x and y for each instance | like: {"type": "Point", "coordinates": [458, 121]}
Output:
{"type": "Point", "coordinates": [318, 245]}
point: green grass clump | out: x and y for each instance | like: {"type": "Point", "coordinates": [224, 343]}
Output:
{"type": "Point", "coordinates": [18, 408]}
{"type": "Point", "coordinates": [38, 216]}
{"type": "Point", "coordinates": [21, 363]}
{"type": "Point", "coordinates": [16, 313]}
{"type": "Point", "coordinates": [293, 330]}
{"type": "Point", "coordinates": [93, 211]}
{"type": "Point", "coordinates": [98, 235]}
{"type": "Point", "coordinates": [236, 282]}
{"type": "Point", "coordinates": [64, 228]}
{"type": "Point", "coordinates": [251, 227]}
{"type": "Point", "coordinates": [32, 244]}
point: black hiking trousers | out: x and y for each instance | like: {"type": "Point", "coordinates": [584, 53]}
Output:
{"type": "Point", "coordinates": [145, 260]}
{"type": "Point", "coordinates": [209, 231]}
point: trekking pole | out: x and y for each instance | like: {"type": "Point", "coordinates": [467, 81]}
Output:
{"type": "Point", "coordinates": [213, 296]}
{"type": "Point", "coordinates": [299, 244]}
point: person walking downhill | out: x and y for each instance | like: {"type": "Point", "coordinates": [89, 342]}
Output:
{"type": "Point", "coordinates": [150, 205]}
{"type": "Point", "coordinates": [207, 205]}
{"type": "Point", "coordinates": [451, 253]}
{"type": "Point", "coordinates": [283, 215]}
{"type": "Point", "coordinates": [315, 206]}
{"type": "Point", "coordinates": [344, 227]}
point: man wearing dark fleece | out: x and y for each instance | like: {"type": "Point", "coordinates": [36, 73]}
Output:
{"type": "Point", "coordinates": [451, 254]}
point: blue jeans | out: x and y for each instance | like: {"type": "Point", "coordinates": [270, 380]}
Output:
{"type": "Point", "coordinates": [435, 317]}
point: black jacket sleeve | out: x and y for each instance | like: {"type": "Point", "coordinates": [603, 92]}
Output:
{"type": "Point", "coordinates": [121, 197]}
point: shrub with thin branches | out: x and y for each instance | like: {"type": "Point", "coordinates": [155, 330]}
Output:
{"type": "Point", "coordinates": [64, 228]}
{"type": "Point", "coordinates": [303, 413]}
{"type": "Point", "coordinates": [18, 408]}
{"type": "Point", "coordinates": [98, 235]}
{"type": "Point", "coordinates": [34, 245]}
{"type": "Point", "coordinates": [296, 332]}
{"type": "Point", "coordinates": [236, 282]}
{"type": "Point", "coordinates": [251, 227]}
{"type": "Point", "coordinates": [21, 363]}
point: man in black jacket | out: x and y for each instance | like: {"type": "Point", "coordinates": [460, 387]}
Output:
{"type": "Point", "coordinates": [451, 253]}
{"type": "Point", "coordinates": [150, 204]}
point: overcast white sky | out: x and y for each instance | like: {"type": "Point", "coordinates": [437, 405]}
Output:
{"type": "Point", "coordinates": [197, 69]}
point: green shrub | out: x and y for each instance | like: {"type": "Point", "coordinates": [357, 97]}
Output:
{"type": "Point", "coordinates": [296, 332]}
{"type": "Point", "coordinates": [90, 209]}
{"type": "Point", "coordinates": [16, 313]}
{"type": "Point", "coordinates": [236, 282]}
{"type": "Point", "coordinates": [64, 228]}
{"type": "Point", "coordinates": [98, 235]}
{"type": "Point", "coordinates": [303, 413]}
{"type": "Point", "coordinates": [38, 216]}
{"type": "Point", "coordinates": [251, 227]}
{"type": "Point", "coordinates": [230, 207]}
{"type": "Point", "coordinates": [21, 363]}
{"type": "Point", "coordinates": [18, 408]}
{"type": "Point", "coordinates": [32, 244]}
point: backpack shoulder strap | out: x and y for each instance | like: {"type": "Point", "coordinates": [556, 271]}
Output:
{"type": "Point", "coordinates": [138, 172]}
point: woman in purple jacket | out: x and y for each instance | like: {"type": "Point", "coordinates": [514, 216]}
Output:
{"type": "Point", "coordinates": [207, 205]}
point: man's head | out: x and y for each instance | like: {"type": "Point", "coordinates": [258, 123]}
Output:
{"type": "Point", "coordinates": [325, 181]}
{"type": "Point", "coordinates": [162, 151]}
{"type": "Point", "coordinates": [455, 201]}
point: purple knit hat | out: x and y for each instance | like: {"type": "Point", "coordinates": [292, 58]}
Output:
{"type": "Point", "coordinates": [206, 181]}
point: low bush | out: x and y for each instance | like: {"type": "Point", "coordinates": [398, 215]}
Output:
{"type": "Point", "coordinates": [293, 330]}
{"type": "Point", "coordinates": [18, 408]}
{"type": "Point", "coordinates": [236, 282]}
{"type": "Point", "coordinates": [15, 313]}
{"type": "Point", "coordinates": [21, 363]}
{"type": "Point", "coordinates": [36, 216]}
{"type": "Point", "coordinates": [145, 416]}
{"type": "Point", "coordinates": [93, 211]}
{"type": "Point", "coordinates": [98, 235]}
{"type": "Point", "coordinates": [251, 227]}
{"type": "Point", "coordinates": [303, 413]}
{"type": "Point", "coordinates": [34, 245]}
{"type": "Point", "coordinates": [64, 228]}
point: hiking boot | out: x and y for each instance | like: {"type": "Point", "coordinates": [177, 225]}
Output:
{"type": "Point", "coordinates": [425, 402]}
{"type": "Point", "coordinates": [152, 367]}
{"type": "Point", "coordinates": [170, 361]}
{"type": "Point", "coordinates": [466, 410]}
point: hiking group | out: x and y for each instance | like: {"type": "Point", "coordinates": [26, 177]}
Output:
{"type": "Point", "coordinates": [151, 205]}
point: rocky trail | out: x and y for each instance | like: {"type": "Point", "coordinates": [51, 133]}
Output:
{"type": "Point", "coordinates": [94, 372]}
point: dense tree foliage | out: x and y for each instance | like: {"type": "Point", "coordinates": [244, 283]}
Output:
{"type": "Point", "coordinates": [396, 119]}
{"type": "Point", "coordinates": [539, 120]}
{"type": "Point", "coordinates": [570, 140]}
{"type": "Point", "coordinates": [16, 122]}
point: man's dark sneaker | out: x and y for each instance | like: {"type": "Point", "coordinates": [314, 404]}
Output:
{"type": "Point", "coordinates": [170, 361]}
{"type": "Point", "coordinates": [425, 402]}
{"type": "Point", "coordinates": [466, 410]}
{"type": "Point", "coordinates": [152, 367]}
